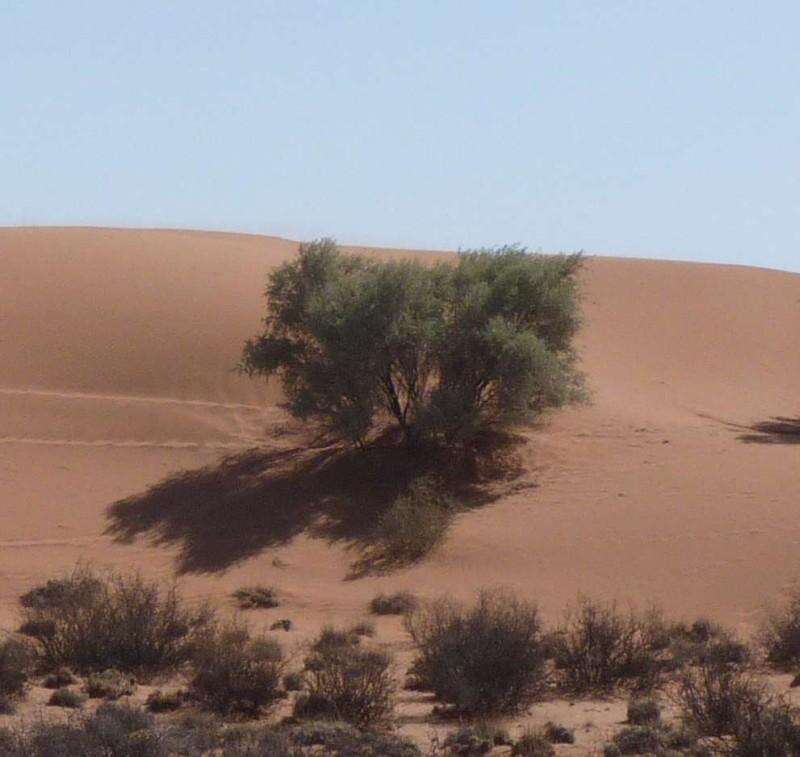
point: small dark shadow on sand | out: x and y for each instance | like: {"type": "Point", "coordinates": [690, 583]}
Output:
{"type": "Point", "coordinates": [776, 430]}
{"type": "Point", "coordinates": [222, 514]}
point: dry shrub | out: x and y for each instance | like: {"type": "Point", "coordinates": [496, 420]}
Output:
{"type": "Point", "coordinates": [483, 659]}
{"type": "Point", "coordinates": [637, 739]}
{"type": "Point", "coordinates": [66, 698]}
{"type": "Point", "coordinates": [532, 744]}
{"type": "Point", "coordinates": [346, 682]}
{"type": "Point", "coordinates": [92, 622]}
{"type": "Point", "coordinates": [109, 684]}
{"type": "Point", "coordinates": [235, 672]}
{"type": "Point", "coordinates": [599, 647]}
{"type": "Point", "coordinates": [118, 730]}
{"type": "Point", "coordinates": [16, 664]}
{"type": "Point", "coordinates": [399, 603]}
{"type": "Point", "coordinates": [414, 523]}
{"type": "Point", "coordinates": [160, 701]}
{"type": "Point", "coordinates": [780, 632]}
{"type": "Point", "coordinates": [712, 696]}
{"type": "Point", "coordinates": [747, 719]}
{"type": "Point", "coordinates": [558, 734]}
{"type": "Point", "coordinates": [59, 678]}
{"type": "Point", "coordinates": [643, 711]}
{"type": "Point", "coordinates": [257, 597]}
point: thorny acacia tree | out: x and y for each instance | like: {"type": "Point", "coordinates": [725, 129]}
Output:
{"type": "Point", "coordinates": [444, 350]}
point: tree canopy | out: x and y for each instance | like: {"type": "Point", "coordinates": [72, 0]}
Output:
{"type": "Point", "coordinates": [444, 351]}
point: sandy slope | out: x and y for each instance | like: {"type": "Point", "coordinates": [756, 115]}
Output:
{"type": "Point", "coordinates": [116, 350]}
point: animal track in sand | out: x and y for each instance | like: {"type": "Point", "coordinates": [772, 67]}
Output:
{"type": "Point", "coordinates": [243, 444]}
{"type": "Point", "coordinates": [132, 398]}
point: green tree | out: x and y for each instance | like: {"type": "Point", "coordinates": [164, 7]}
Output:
{"type": "Point", "coordinates": [444, 351]}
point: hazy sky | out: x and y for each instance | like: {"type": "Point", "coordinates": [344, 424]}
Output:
{"type": "Point", "coordinates": [658, 129]}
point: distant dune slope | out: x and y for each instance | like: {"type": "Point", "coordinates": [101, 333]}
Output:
{"type": "Point", "coordinates": [676, 484]}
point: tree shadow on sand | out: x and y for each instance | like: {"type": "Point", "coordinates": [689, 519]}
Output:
{"type": "Point", "coordinates": [776, 430]}
{"type": "Point", "coordinates": [225, 513]}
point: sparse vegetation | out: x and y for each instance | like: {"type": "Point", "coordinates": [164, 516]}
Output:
{"type": "Point", "coordinates": [293, 681]}
{"type": "Point", "coordinates": [235, 672]}
{"type": "Point", "coordinates": [16, 664]}
{"type": "Point", "coordinates": [483, 659]}
{"type": "Point", "coordinates": [364, 628]}
{"type": "Point", "coordinates": [92, 622]}
{"type": "Point", "coordinates": [780, 633]}
{"type": "Point", "coordinates": [598, 647]}
{"type": "Point", "coordinates": [346, 682]}
{"type": "Point", "coordinates": [257, 597]}
{"type": "Point", "coordinates": [109, 684]}
{"type": "Point", "coordinates": [636, 739]}
{"type": "Point", "coordinates": [414, 523]}
{"type": "Point", "coordinates": [643, 711]}
{"type": "Point", "coordinates": [558, 734]}
{"type": "Point", "coordinates": [476, 739]}
{"type": "Point", "coordinates": [66, 698]}
{"type": "Point", "coordinates": [444, 351]}
{"type": "Point", "coordinates": [705, 642]}
{"type": "Point", "coordinates": [160, 701]}
{"type": "Point", "coordinates": [532, 744]}
{"type": "Point", "coordinates": [344, 739]}
{"type": "Point", "coordinates": [399, 603]}
{"type": "Point", "coordinates": [739, 712]}
{"type": "Point", "coordinates": [118, 730]}
{"type": "Point", "coordinates": [59, 678]}
{"type": "Point", "coordinates": [284, 624]}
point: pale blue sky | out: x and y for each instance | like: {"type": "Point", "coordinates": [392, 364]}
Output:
{"type": "Point", "coordinates": [658, 129]}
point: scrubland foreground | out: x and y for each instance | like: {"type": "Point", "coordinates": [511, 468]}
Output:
{"type": "Point", "coordinates": [165, 678]}
{"type": "Point", "coordinates": [126, 439]}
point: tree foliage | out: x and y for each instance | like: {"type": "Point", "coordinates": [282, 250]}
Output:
{"type": "Point", "coordinates": [443, 350]}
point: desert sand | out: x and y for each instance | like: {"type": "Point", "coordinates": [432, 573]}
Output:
{"type": "Point", "coordinates": [677, 485]}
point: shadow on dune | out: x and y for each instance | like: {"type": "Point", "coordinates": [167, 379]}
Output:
{"type": "Point", "coordinates": [219, 515]}
{"type": "Point", "coordinates": [777, 430]}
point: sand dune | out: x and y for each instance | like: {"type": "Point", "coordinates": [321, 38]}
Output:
{"type": "Point", "coordinates": [676, 485]}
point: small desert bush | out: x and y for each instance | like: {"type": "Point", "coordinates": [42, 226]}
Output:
{"type": "Point", "coordinates": [399, 603]}
{"type": "Point", "coordinates": [780, 633]}
{"type": "Point", "coordinates": [92, 622]}
{"type": "Point", "coordinates": [414, 523]}
{"type": "Point", "coordinates": [558, 734]}
{"type": "Point", "coordinates": [59, 678]}
{"type": "Point", "coordinates": [235, 672]}
{"type": "Point", "coordinates": [705, 642]}
{"type": "Point", "coordinates": [160, 701]}
{"type": "Point", "coordinates": [284, 624]}
{"type": "Point", "coordinates": [66, 698]}
{"type": "Point", "coordinates": [118, 730]}
{"type": "Point", "coordinates": [599, 647]}
{"type": "Point", "coordinates": [347, 683]}
{"type": "Point", "coordinates": [478, 738]}
{"type": "Point", "coordinates": [483, 659]}
{"type": "Point", "coordinates": [636, 739]}
{"type": "Point", "coordinates": [8, 705]}
{"type": "Point", "coordinates": [334, 638]}
{"type": "Point", "coordinates": [532, 744]}
{"type": "Point", "coordinates": [256, 597]}
{"type": "Point", "coordinates": [330, 737]}
{"type": "Point", "coordinates": [109, 684]}
{"type": "Point", "coordinates": [16, 664]}
{"type": "Point", "coordinates": [747, 719]}
{"type": "Point", "coordinates": [643, 711]}
{"type": "Point", "coordinates": [293, 682]}
{"type": "Point", "coordinates": [363, 628]}
{"type": "Point", "coordinates": [713, 697]}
